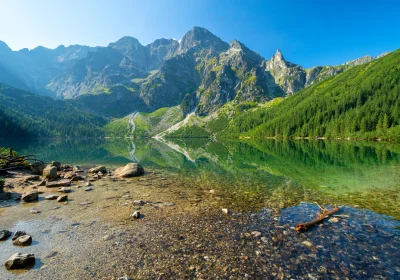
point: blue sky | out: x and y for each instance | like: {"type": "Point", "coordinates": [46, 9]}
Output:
{"type": "Point", "coordinates": [310, 33]}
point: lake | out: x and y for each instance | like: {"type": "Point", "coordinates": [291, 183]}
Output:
{"type": "Point", "coordinates": [269, 173]}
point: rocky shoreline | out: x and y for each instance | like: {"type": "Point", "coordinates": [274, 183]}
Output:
{"type": "Point", "coordinates": [158, 226]}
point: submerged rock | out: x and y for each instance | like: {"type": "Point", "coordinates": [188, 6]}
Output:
{"type": "Point", "coordinates": [4, 234]}
{"type": "Point", "coordinates": [130, 170]}
{"type": "Point", "coordinates": [24, 240]}
{"type": "Point", "coordinates": [19, 260]}
{"type": "Point", "coordinates": [30, 196]}
{"type": "Point", "coordinates": [50, 172]}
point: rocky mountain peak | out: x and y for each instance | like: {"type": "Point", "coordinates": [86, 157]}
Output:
{"type": "Point", "coordinates": [200, 38]}
{"type": "Point", "coordinates": [278, 55]}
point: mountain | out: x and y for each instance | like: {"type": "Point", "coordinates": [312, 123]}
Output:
{"type": "Point", "coordinates": [200, 72]}
{"type": "Point", "coordinates": [26, 114]}
{"type": "Point", "coordinates": [362, 102]}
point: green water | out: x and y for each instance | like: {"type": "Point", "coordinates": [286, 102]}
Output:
{"type": "Point", "coordinates": [267, 173]}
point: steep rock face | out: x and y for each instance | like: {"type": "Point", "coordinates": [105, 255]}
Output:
{"type": "Point", "coordinates": [159, 51]}
{"type": "Point", "coordinates": [288, 76]}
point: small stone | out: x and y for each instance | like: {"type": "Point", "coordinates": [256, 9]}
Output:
{"type": "Point", "coordinates": [65, 189]}
{"type": "Point", "coordinates": [108, 237]}
{"type": "Point", "coordinates": [19, 260]}
{"type": "Point", "coordinates": [136, 215]}
{"type": "Point", "coordinates": [308, 244]}
{"type": "Point", "coordinates": [4, 234]}
{"type": "Point", "coordinates": [333, 220]}
{"type": "Point", "coordinates": [256, 234]}
{"type": "Point", "coordinates": [264, 239]}
{"type": "Point", "coordinates": [24, 240]}
{"type": "Point", "coordinates": [35, 211]}
{"type": "Point", "coordinates": [30, 196]}
{"type": "Point", "coordinates": [89, 189]}
{"type": "Point", "coordinates": [138, 202]}
{"type": "Point", "coordinates": [225, 211]}
{"type": "Point", "coordinates": [62, 198]}
{"type": "Point", "coordinates": [88, 184]}
{"type": "Point", "coordinates": [51, 197]}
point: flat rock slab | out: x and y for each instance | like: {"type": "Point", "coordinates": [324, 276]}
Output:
{"type": "Point", "coordinates": [59, 183]}
{"type": "Point", "coordinates": [18, 261]}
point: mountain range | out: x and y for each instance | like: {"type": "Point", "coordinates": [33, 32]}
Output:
{"type": "Point", "coordinates": [199, 86]}
{"type": "Point", "coordinates": [200, 72]}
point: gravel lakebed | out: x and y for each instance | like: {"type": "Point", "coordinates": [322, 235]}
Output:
{"type": "Point", "coordinates": [182, 233]}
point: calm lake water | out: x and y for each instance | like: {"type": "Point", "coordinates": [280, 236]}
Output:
{"type": "Point", "coordinates": [269, 173]}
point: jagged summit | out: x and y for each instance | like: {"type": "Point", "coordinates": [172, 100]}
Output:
{"type": "Point", "coordinates": [278, 55]}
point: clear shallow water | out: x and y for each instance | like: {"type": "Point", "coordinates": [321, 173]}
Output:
{"type": "Point", "coordinates": [267, 173]}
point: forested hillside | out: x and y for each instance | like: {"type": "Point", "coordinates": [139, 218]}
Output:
{"type": "Point", "coordinates": [25, 114]}
{"type": "Point", "coordinates": [363, 102]}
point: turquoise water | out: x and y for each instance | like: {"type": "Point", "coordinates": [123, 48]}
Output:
{"type": "Point", "coordinates": [265, 173]}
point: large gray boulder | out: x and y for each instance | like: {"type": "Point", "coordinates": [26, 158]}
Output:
{"type": "Point", "coordinates": [130, 170]}
{"type": "Point", "coordinates": [18, 261]}
{"type": "Point", "coordinates": [50, 172]}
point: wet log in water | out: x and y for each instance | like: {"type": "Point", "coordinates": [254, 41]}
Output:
{"type": "Point", "coordinates": [321, 216]}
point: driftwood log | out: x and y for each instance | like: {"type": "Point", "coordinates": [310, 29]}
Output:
{"type": "Point", "coordinates": [325, 213]}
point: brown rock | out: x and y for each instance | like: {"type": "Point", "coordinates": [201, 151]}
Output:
{"type": "Point", "coordinates": [30, 196]}
{"type": "Point", "coordinates": [62, 198]}
{"type": "Point", "coordinates": [59, 183]}
{"type": "Point", "coordinates": [18, 261]}
{"type": "Point", "coordinates": [24, 240]}
{"type": "Point", "coordinates": [130, 170]}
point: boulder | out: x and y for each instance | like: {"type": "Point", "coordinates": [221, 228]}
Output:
{"type": "Point", "coordinates": [37, 167]}
{"type": "Point", "coordinates": [24, 240]}
{"type": "Point", "coordinates": [30, 196]}
{"type": "Point", "coordinates": [56, 164]}
{"type": "Point", "coordinates": [59, 183]}
{"type": "Point", "coordinates": [98, 169]}
{"type": "Point", "coordinates": [4, 234]}
{"type": "Point", "coordinates": [17, 234]}
{"type": "Point", "coordinates": [50, 172]}
{"type": "Point", "coordinates": [62, 198]}
{"type": "Point", "coordinates": [130, 170]}
{"type": "Point", "coordinates": [20, 260]}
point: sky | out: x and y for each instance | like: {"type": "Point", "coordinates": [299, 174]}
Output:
{"type": "Point", "coordinates": [308, 32]}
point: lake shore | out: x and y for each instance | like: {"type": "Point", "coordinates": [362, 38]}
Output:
{"type": "Point", "coordinates": [183, 234]}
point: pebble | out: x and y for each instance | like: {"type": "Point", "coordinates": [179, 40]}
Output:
{"type": "Point", "coordinates": [34, 211]}
{"type": "Point", "coordinates": [51, 197]}
{"type": "Point", "coordinates": [62, 198]}
{"type": "Point", "coordinates": [307, 244]}
{"type": "Point", "coordinates": [225, 211]}
{"type": "Point", "coordinates": [256, 234]}
{"type": "Point", "coordinates": [65, 189]}
{"type": "Point", "coordinates": [88, 184]}
{"type": "Point", "coordinates": [136, 215]}
{"type": "Point", "coordinates": [89, 189]}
